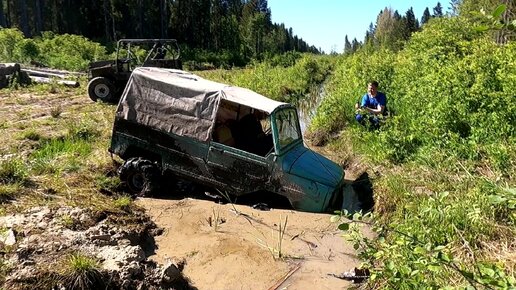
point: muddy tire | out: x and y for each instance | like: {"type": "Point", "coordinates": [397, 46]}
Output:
{"type": "Point", "coordinates": [141, 176]}
{"type": "Point", "coordinates": [100, 88]}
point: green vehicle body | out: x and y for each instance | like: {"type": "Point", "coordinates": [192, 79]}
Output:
{"type": "Point", "coordinates": [310, 181]}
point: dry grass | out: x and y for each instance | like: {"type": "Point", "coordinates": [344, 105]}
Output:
{"type": "Point", "coordinates": [32, 118]}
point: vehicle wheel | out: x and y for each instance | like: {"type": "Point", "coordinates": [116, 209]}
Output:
{"type": "Point", "coordinates": [101, 88]}
{"type": "Point", "coordinates": [141, 176]}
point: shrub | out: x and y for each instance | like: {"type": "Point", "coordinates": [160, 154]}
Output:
{"type": "Point", "coordinates": [71, 52]}
{"type": "Point", "coordinates": [11, 40]}
{"type": "Point", "coordinates": [284, 84]}
{"type": "Point", "coordinates": [452, 138]}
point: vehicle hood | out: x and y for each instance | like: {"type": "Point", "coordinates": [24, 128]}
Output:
{"type": "Point", "coordinates": [308, 164]}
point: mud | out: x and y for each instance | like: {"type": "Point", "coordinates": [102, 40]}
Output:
{"type": "Point", "coordinates": [39, 241]}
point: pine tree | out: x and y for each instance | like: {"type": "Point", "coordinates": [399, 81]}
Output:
{"type": "Point", "coordinates": [347, 46]}
{"type": "Point", "coordinates": [24, 19]}
{"type": "Point", "coordinates": [355, 45]}
{"type": "Point", "coordinates": [3, 22]}
{"type": "Point", "coordinates": [262, 6]}
{"type": "Point", "coordinates": [438, 10]}
{"type": "Point", "coordinates": [411, 22]}
{"type": "Point", "coordinates": [426, 16]}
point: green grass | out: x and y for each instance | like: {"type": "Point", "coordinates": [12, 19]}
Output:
{"type": "Point", "coordinates": [13, 171]}
{"type": "Point", "coordinates": [82, 272]}
{"type": "Point", "coordinates": [67, 221]}
{"type": "Point", "coordinates": [287, 84]}
{"type": "Point", "coordinates": [31, 134]}
{"type": "Point", "coordinates": [107, 183]}
{"type": "Point", "coordinates": [123, 203]}
{"type": "Point", "coordinates": [60, 154]}
{"type": "Point", "coordinates": [9, 191]}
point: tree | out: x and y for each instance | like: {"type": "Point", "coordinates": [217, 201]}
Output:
{"type": "Point", "coordinates": [454, 6]}
{"type": "Point", "coordinates": [347, 46]}
{"type": "Point", "coordinates": [411, 22]}
{"type": "Point", "coordinates": [438, 10]}
{"type": "Point", "coordinates": [465, 7]}
{"type": "Point", "coordinates": [389, 30]}
{"type": "Point", "coordinates": [355, 45]}
{"type": "Point", "coordinates": [163, 18]}
{"type": "Point", "coordinates": [38, 9]}
{"type": "Point", "coordinates": [24, 20]}
{"type": "Point", "coordinates": [426, 16]}
{"type": "Point", "coordinates": [262, 6]}
{"type": "Point", "coordinates": [3, 22]}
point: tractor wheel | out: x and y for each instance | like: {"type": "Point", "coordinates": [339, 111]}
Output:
{"type": "Point", "coordinates": [141, 176]}
{"type": "Point", "coordinates": [100, 88]}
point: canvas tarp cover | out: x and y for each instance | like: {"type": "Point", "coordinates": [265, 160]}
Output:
{"type": "Point", "coordinates": [179, 102]}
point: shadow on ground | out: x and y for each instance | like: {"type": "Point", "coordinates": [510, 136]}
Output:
{"type": "Point", "coordinates": [363, 188]}
{"type": "Point", "coordinates": [261, 200]}
{"type": "Point", "coordinates": [358, 195]}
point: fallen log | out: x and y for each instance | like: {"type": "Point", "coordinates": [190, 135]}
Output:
{"type": "Point", "coordinates": [44, 80]}
{"type": "Point", "coordinates": [38, 73]}
{"type": "Point", "coordinates": [54, 71]}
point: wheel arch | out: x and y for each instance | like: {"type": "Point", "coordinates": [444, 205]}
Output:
{"type": "Point", "coordinates": [134, 151]}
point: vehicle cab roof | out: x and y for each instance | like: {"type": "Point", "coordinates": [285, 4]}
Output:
{"type": "Point", "coordinates": [183, 103]}
{"type": "Point", "coordinates": [190, 81]}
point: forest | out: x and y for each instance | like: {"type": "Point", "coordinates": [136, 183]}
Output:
{"type": "Point", "coordinates": [235, 29]}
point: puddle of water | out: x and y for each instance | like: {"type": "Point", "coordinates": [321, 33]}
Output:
{"type": "Point", "coordinates": [308, 105]}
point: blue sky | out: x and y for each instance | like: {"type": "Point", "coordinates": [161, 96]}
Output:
{"type": "Point", "coordinates": [325, 23]}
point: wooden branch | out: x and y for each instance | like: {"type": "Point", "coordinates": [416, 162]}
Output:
{"type": "Point", "coordinates": [284, 278]}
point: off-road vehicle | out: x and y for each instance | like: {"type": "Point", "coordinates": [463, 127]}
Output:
{"type": "Point", "coordinates": [229, 138]}
{"type": "Point", "coordinates": [109, 77]}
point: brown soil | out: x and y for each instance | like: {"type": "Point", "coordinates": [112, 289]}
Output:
{"type": "Point", "coordinates": [242, 252]}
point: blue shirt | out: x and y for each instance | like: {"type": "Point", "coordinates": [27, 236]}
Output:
{"type": "Point", "coordinates": [373, 103]}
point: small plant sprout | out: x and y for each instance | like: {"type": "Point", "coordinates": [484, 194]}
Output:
{"type": "Point", "coordinates": [123, 202]}
{"type": "Point", "coordinates": [215, 219]}
{"type": "Point", "coordinates": [282, 227]}
{"type": "Point", "coordinates": [67, 221]}
{"type": "Point", "coordinates": [276, 250]}
{"type": "Point", "coordinates": [56, 111]}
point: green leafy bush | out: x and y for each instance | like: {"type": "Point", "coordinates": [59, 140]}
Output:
{"type": "Point", "coordinates": [11, 40]}
{"type": "Point", "coordinates": [287, 84]}
{"type": "Point", "coordinates": [442, 209]}
{"type": "Point", "coordinates": [71, 52]}
{"type": "Point", "coordinates": [451, 89]}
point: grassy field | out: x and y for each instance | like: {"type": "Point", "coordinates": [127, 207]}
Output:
{"type": "Point", "coordinates": [53, 149]}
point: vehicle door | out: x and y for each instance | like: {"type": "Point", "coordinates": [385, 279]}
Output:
{"type": "Point", "coordinates": [241, 171]}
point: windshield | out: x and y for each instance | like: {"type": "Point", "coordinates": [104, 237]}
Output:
{"type": "Point", "coordinates": [288, 127]}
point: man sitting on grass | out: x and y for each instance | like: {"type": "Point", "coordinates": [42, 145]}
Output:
{"type": "Point", "coordinates": [371, 106]}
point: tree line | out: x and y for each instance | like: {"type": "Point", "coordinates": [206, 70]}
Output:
{"type": "Point", "coordinates": [240, 27]}
{"type": "Point", "coordinates": [392, 30]}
